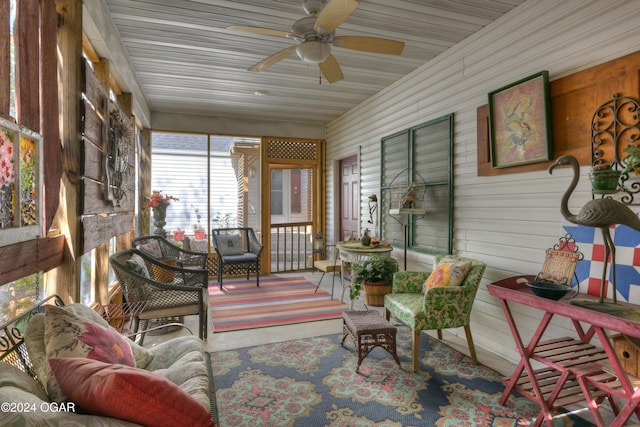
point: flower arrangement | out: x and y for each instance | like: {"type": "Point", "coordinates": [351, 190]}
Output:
{"type": "Point", "coordinates": [373, 269]}
{"type": "Point", "coordinates": [157, 199]}
{"type": "Point", "coordinates": [6, 157]}
{"type": "Point", "coordinates": [197, 225]}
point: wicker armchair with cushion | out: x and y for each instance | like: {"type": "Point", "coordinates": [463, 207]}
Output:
{"type": "Point", "coordinates": [238, 251]}
{"type": "Point", "coordinates": [441, 299]}
{"type": "Point", "coordinates": [160, 248]}
{"type": "Point", "coordinates": [166, 290]}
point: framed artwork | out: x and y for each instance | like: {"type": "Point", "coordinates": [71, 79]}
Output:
{"type": "Point", "coordinates": [520, 122]}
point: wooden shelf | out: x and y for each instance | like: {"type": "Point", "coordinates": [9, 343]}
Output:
{"type": "Point", "coordinates": [407, 211]}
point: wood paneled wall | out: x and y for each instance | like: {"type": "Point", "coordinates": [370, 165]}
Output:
{"type": "Point", "coordinates": [101, 219]}
{"type": "Point", "coordinates": [574, 99]}
{"type": "Point", "coordinates": [37, 109]}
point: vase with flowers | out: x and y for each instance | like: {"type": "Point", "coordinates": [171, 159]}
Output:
{"type": "Point", "coordinates": [159, 204]}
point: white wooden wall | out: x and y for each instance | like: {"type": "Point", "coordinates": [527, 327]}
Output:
{"type": "Point", "coordinates": [506, 221]}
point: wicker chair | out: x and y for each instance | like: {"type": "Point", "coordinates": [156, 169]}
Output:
{"type": "Point", "coordinates": [166, 290]}
{"type": "Point", "coordinates": [238, 251]}
{"type": "Point", "coordinates": [184, 258]}
{"type": "Point", "coordinates": [438, 308]}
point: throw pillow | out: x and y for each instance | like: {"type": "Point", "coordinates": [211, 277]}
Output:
{"type": "Point", "coordinates": [152, 249]}
{"type": "Point", "coordinates": [137, 265]}
{"type": "Point", "coordinates": [229, 245]}
{"type": "Point", "coordinates": [448, 272]}
{"type": "Point", "coordinates": [141, 355]}
{"type": "Point", "coordinates": [127, 393]}
{"type": "Point", "coordinates": [69, 335]}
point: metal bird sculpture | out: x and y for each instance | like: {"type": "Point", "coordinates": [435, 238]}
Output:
{"type": "Point", "coordinates": [599, 213]}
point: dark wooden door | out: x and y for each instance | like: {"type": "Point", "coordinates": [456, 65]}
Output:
{"type": "Point", "coordinates": [349, 197]}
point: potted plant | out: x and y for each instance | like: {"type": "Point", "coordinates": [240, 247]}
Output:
{"type": "Point", "coordinates": [375, 275]}
{"type": "Point", "coordinates": [198, 229]}
{"type": "Point", "coordinates": [604, 179]}
{"type": "Point", "coordinates": [178, 234]}
{"type": "Point", "coordinates": [631, 161]}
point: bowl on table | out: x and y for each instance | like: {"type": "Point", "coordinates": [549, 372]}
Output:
{"type": "Point", "coordinates": [550, 290]}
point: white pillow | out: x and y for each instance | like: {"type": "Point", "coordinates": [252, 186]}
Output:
{"type": "Point", "coordinates": [229, 245]}
{"type": "Point", "coordinates": [137, 265]}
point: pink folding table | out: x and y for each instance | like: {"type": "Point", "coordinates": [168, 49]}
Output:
{"type": "Point", "coordinates": [573, 370]}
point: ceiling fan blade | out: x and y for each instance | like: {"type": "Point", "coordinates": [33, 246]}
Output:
{"type": "Point", "coordinates": [369, 44]}
{"type": "Point", "coordinates": [259, 30]}
{"type": "Point", "coordinates": [331, 69]}
{"type": "Point", "coordinates": [270, 60]}
{"type": "Point", "coordinates": [334, 14]}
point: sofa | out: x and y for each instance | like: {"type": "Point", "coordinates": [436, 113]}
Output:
{"type": "Point", "coordinates": [63, 365]}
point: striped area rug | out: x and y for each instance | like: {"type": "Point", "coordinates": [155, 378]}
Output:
{"type": "Point", "coordinates": [278, 301]}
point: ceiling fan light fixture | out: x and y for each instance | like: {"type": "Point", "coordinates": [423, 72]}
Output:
{"type": "Point", "coordinates": [313, 51]}
{"type": "Point", "coordinates": [313, 7]}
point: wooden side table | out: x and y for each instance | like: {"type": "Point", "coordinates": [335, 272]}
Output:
{"type": "Point", "coordinates": [573, 370]}
{"type": "Point", "coordinates": [369, 330]}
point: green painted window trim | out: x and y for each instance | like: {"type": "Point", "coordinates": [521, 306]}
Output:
{"type": "Point", "coordinates": [411, 142]}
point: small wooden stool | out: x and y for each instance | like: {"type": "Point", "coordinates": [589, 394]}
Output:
{"type": "Point", "coordinates": [369, 329]}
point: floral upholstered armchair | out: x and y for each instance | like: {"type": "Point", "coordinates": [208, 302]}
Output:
{"type": "Point", "coordinates": [441, 299]}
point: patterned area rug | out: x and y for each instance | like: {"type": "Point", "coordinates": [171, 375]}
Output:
{"type": "Point", "coordinates": [312, 382]}
{"type": "Point", "coordinates": [277, 301]}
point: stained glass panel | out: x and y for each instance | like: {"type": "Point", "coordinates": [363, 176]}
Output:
{"type": "Point", "coordinates": [8, 137]}
{"type": "Point", "coordinates": [20, 186]}
{"type": "Point", "coordinates": [28, 180]}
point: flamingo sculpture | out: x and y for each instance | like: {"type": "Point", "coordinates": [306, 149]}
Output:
{"type": "Point", "coordinates": [599, 213]}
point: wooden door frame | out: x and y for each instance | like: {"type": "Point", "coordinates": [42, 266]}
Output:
{"type": "Point", "coordinates": [317, 166]}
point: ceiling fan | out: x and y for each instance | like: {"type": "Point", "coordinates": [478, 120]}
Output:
{"type": "Point", "coordinates": [316, 34]}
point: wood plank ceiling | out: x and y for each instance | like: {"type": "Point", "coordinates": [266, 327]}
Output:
{"type": "Point", "coordinates": [187, 61]}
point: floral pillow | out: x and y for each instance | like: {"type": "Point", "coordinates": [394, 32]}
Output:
{"type": "Point", "coordinates": [229, 245]}
{"type": "Point", "coordinates": [137, 265]}
{"type": "Point", "coordinates": [68, 335]}
{"type": "Point", "coordinates": [152, 249]}
{"type": "Point", "coordinates": [448, 272]}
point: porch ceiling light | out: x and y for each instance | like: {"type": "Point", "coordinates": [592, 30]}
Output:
{"type": "Point", "coordinates": [313, 51]}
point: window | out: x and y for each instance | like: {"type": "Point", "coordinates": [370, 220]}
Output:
{"type": "Point", "coordinates": [277, 201]}
{"type": "Point", "coordinates": [419, 160]}
{"type": "Point", "coordinates": [215, 179]}
{"type": "Point", "coordinates": [20, 166]}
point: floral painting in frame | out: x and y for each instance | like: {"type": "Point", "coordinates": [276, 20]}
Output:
{"type": "Point", "coordinates": [519, 122]}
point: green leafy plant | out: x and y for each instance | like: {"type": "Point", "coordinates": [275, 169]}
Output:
{"type": "Point", "coordinates": [373, 269]}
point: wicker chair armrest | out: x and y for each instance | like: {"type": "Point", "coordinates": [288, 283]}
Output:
{"type": "Point", "coordinates": [183, 256]}
{"type": "Point", "coordinates": [255, 247]}
{"type": "Point", "coordinates": [177, 278]}
{"type": "Point", "coordinates": [191, 258]}
{"type": "Point", "coordinates": [134, 336]}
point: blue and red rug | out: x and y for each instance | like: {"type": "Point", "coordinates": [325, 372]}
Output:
{"type": "Point", "coordinates": [312, 382]}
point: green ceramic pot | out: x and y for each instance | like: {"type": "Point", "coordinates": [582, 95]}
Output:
{"type": "Point", "coordinates": [604, 181]}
